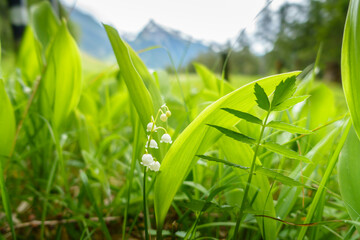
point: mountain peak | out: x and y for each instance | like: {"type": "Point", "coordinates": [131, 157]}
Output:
{"type": "Point", "coordinates": [151, 27]}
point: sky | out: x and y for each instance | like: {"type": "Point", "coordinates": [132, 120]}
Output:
{"type": "Point", "coordinates": [207, 20]}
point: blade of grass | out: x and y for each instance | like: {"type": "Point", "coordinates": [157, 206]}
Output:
{"type": "Point", "coordinates": [104, 228]}
{"type": "Point", "coordinates": [329, 169]}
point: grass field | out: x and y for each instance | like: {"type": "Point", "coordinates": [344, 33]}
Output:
{"type": "Point", "coordinates": [96, 151]}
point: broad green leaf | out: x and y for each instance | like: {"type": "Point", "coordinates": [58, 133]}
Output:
{"type": "Point", "coordinates": [138, 93]}
{"type": "Point", "coordinates": [1, 73]}
{"type": "Point", "coordinates": [148, 79]}
{"type": "Point", "coordinates": [350, 62]}
{"type": "Point", "coordinates": [243, 115]}
{"type": "Point", "coordinates": [261, 97]}
{"type": "Point", "coordinates": [29, 59]}
{"type": "Point", "coordinates": [276, 148]}
{"type": "Point", "coordinates": [44, 22]}
{"type": "Point", "coordinates": [7, 122]}
{"type": "Point", "coordinates": [283, 91]}
{"type": "Point", "coordinates": [207, 77]}
{"type": "Point", "coordinates": [210, 81]}
{"type": "Point", "coordinates": [60, 87]}
{"type": "Point", "coordinates": [314, 114]}
{"type": "Point", "coordinates": [288, 127]}
{"type": "Point", "coordinates": [213, 159]}
{"type": "Point", "coordinates": [7, 130]}
{"type": "Point", "coordinates": [235, 135]}
{"type": "Point", "coordinates": [198, 137]}
{"type": "Point", "coordinates": [288, 103]}
{"type": "Point", "coordinates": [349, 177]}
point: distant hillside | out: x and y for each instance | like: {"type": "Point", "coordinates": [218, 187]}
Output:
{"type": "Point", "coordinates": [93, 40]}
{"type": "Point", "coordinates": [181, 47]}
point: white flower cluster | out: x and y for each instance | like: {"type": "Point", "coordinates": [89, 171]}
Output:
{"type": "Point", "coordinates": [147, 159]}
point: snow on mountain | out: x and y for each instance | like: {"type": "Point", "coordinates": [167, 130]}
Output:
{"type": "Point", "coordinates": [169, 42]}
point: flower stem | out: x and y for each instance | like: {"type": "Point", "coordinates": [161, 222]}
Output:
{"type": "Point", "coordinates": [145, 207]}
{"type": "Point", "coordinates": [248, 183]}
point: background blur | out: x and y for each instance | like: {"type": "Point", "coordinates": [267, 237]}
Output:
{"type": "Point", "coordinates": [260, 37]}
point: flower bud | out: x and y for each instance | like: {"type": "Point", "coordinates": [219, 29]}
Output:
{"type": "Point", "coordinates": [163, 117]}
{"type": "Point", "coordinates": [168, 113]}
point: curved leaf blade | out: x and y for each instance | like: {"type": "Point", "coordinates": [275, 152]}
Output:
{"type": "Point", "coordinates": [197, 137]}
{"type": "Point", "coordinates": [7, 129]}
{"type": "Point", "coordinates": [139, 95]}
{"type": "Point", "coordinates": [348, 174]}
{"type": "Point", "coordinates": [61, 85]}
{"type": "Point", "coordinates": [350, 62]}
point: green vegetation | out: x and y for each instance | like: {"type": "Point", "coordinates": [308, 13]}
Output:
{"type": "Point", "coordinates": [91, 151]}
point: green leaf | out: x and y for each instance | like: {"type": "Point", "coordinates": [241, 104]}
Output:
{"type": "Point", "coordinates": [7, 122]}
{"type": "Point", "coordinates": [288, 103]}
{"type": "Point", "coordinates": [283, 91]}
{"type": "Point", "coordinates": [210, 80]}
{"type": "Point", "coordinates": [61, 85]}
{"type": "Point", "coordinates": [235, 135]}
{"type": "Point", "coordinates": [276, 148]}
{"type": "Point", "coordinates": [44, 22]}
{"type": "Point", "coordinates": [243, 115]}
{"type": "Point", "coordinates": [278, 177]}
{"type": "Point", "coordinates": [7, 129]}
{"type": "Point", "coordinates": [349, 177]}
{"type": "Point", "coordinates": [213, 159]}
{"type": "Point", "coordinates": [350, 62]}
{"type": "Point", "coordinates": [261, 97]}
{"type": "Point", "coordinates": [288, 127]}
{"type": "Point", "coordinates": [197, 138]}
{"type": "Point", "coordinates": [138, 93]}
{"type": "Point", "coordinates": [29, 59]}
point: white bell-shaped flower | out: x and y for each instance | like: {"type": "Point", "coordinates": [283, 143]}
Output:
{"type": "Point", "coordinates": [147, 160]}
{"type": "Point", "coordinates": [150, 126]}
{"type": "Point", "coordinates": [166, 138]}
{"type": "Point", "coordinates": [153, 144]}
{"type": "Point", "coordinates": [155, 166]}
